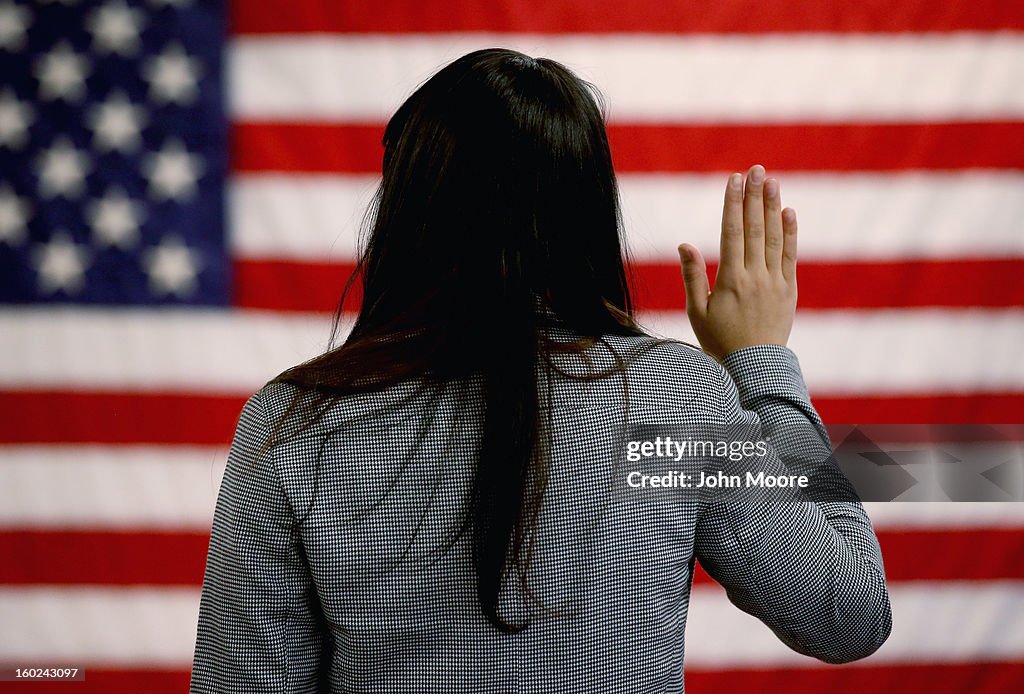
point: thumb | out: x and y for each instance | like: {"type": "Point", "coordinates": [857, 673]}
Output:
{"type": "Point", "coordinates": [695, 280]}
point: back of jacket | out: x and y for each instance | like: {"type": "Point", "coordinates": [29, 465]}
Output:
{"type": "Point", "coordinates": [340, 561]}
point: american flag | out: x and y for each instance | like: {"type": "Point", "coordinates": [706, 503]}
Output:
{"type": "Point", "coordinates": [181, 184]}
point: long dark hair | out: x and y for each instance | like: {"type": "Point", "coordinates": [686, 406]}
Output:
{"type": "Point", "coordinates": [497, 217]}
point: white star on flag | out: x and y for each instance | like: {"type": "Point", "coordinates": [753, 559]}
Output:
{"type": "Point", "coordinates": [62, 170]}
{"type": "Point", "coordinates": [61, 264]}
{"type": "Point", "coordinates": [115, 219]}
{"type": "Point", "coordinates": [14, 215]}
{"type": "Point", "coordinates": [172, 267]}
{"type": "Point", "coordinates": [173, 172]}
{"type": "Point", "coordinates": [117, 123]}
{"type": "Point", "coordinates": [61, 73]}
{"type": "Point", "coordinates": [15, 119]}
{"type": "Point", "coordinates": [115, 28]}
{"type": "Point", "coordinates": [173, 76]}
{"type": "Point", "coordinates": [14, 21]}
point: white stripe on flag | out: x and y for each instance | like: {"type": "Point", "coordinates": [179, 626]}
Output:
{"type": "Point", "coordinates": [935, 515]}
{"type": "Point", "coordinates": [176, 350]}
{"type": "Point", "coordinates": [175, 487]}
{"type": "Point", "coordinates": [218, 351]}
{"type": "Point", "coordinates": [842, 216]}
{"type": "Point", "coordinates": [123, 487]}
{"type": "Point", "coordinates": [99, 626]}
{"type": "Point", "coordinates": [883, 351]}
{"type": "Point", "coordinates": [133, 626]}
{"type": "Point", "coordinates": [654, 78]}
{"type": "Point", "coordinates": [926, 616]}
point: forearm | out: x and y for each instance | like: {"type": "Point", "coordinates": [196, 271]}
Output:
{"type": "Point", "coordinates": [808, 566]}
{"type": "Point", "coordinates": [770, 383]}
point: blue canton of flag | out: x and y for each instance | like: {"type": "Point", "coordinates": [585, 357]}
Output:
{"type": "Point", "coordinates": [113, 152]}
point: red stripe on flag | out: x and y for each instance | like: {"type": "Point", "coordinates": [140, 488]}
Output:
{"type": "Point", "coordinates": [922, 408]}
{"type": "Point", "coordinates": [959, 555]}
{"type": "Point", "coordinates": [199, 420]}
{"type": "Point", "coordinates": [818, 147]}
{"type": "Point", "coordinates": [307, 147]}
{"type": "Point", "coordinates": [284, 285]}
{"type": "Point", "coordinates": [925, 678]}
{"type": "Point", "coordinates": [179, 558]}
{"type": "Point", "coordinates": [356, 147]}
{"type": "Point", "coordinates": [41, 417]}
{"type": "Point", "coordinates": [103, 557]}
{"type": "Point", "coordinates": [647, 16]}
{"type": "Point", "coordinates": [289, 285]}
{"type": "Point", "coordinates": [919, 283]}
{"type": "Point", "coordinates": [937, 555]}
{"type": "Point", "coordinates": [104, 680]}
{"type": "Point", "coordinates": [62, 417]}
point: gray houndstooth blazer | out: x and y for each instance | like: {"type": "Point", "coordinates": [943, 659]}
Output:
{"type": "Point", "coordinates": [359, 598]}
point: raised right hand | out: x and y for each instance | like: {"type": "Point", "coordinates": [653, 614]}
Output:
{"type": "Point", "coordinates": [754, 299]}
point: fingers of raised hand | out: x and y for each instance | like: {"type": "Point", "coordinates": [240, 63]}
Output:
{"type": "Point", "coordinates": [757, 234]}
{"type": "Point", "coordinates": [773, 234]}
{"type": "Point", "coordinates": [789, 244]}
{"type": "Point", "coordinates": [695, 281]}
{"type": "Point", "coordinates": [754, 219]}
{"type": "Point", "coordinates": [731, 252]}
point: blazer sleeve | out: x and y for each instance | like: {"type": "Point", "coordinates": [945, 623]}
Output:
{"type": "Point", "coordinates": [258, 615]}
{"type": "Point", "coordinates": [811, 570]}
